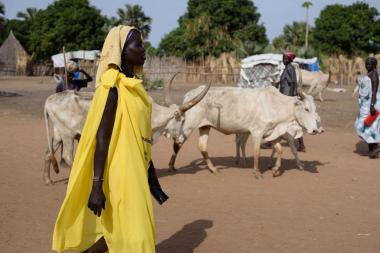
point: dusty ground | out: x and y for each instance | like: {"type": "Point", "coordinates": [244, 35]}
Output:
{"type": "Point", "coordinates": [332, 206]}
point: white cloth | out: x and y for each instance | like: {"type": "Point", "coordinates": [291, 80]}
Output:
{"type": "Point", "coordinates": [369, 134]}
{"type": "Point", "coordinates": [58, 61]}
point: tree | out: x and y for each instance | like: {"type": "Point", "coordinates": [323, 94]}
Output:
{"type": "Point", "coordinates": [70, 23]}
{"type": "Point", "coordinates": [133, 15]}
{"type": "Point", "coordinates": [2, 9]}
{"type": "Point", "coordinates": [350, 30]}
{"type": "Point", "coordinates": [293, 37]}
{"type": "Point", "coordinates": [2, 23]}
{"type": "Point", "coordinates": [30, 14]}
{"type": "Point", "coordinates": [307, 5]}
{"type": "Point", "coordinates": [211, 27]}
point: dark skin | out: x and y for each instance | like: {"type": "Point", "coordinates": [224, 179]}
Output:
{"type": "Point", "coordinates": [286, 60]}
{"type": "Point", "coordinates": [133, 54]}
{"type": "Point", "coordinates": [374, 76]}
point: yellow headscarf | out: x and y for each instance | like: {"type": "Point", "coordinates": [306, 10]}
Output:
{"type": "Point", "coordinates": [112, 49]}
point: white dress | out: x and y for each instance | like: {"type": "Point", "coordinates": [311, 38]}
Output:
{"type": "Point", "coordinates": [369, 134]}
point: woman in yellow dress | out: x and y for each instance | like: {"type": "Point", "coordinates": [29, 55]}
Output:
{"type": "Point", "coordinates": [108, 205]}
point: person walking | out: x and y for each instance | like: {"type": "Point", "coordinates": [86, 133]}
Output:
{"type": "Point", "coordinates": [108, 207]}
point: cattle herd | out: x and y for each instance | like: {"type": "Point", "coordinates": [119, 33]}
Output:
{"type": "Point", "coordinates": [262, 113]}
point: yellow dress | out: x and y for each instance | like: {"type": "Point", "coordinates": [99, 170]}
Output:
{"type": "Point", "coordinates": [127, 222]}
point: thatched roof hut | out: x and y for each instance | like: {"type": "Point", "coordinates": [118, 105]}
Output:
{"type": "Point", "coordinates": [13, 57]}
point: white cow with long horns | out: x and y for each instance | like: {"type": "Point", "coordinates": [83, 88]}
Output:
{"type": "Point", "coordinates": [67, 112]}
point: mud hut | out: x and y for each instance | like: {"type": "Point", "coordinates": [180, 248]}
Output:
{"type": "Point", "coordinates": [14, 60]}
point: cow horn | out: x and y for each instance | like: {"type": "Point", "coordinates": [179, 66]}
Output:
{"type": "Point", "coordinates": [186, 106]}
{"type": "Point", "coordinates": [168, 98]}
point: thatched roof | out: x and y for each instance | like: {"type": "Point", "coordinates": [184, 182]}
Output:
{"type": "Point", "coordinates": [11, 50]}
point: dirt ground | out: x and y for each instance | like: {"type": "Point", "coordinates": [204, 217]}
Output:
{"type": "Point", "coordinates": [332, 206]}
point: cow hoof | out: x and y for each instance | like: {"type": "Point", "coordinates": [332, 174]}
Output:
{"type": "Point", "coordinates": [64, 164]}
{"type": "Point", "coordinates": [276, 173]}
{"type": "Point", "coordinates": [258, 175]}
{"type": "Point", "coordinates": [172, 170]}
{"type": "Point", "coordinates": [214, 171]}
{"type": "Point", "coordinates": [48, 181]}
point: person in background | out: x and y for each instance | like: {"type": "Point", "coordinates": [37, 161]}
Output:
{"type": "Point", "coordinates": [73, 73]}
{"type": "Point", "coordinates": [288, 85]}
{"type": "Point", "coordinates": [367, 123]}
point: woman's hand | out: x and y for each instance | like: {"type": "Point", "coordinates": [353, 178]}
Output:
{"type": "Point", "coordinates": [97, 199]}
{"type": "Point", "coordinates": [372, 110]}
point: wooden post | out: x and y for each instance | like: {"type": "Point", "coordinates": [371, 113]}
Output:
{"type": "Point", "coordinates": [64, 60]}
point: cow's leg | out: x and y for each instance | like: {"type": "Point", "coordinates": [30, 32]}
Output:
{"type": "Point", "coordinates": [313, 86]}
{"type": "Point", "coordinates": [243, 145]}
{"type": "Point", "coordinates": [320, 96]}
{"type": "Point", "coordinates": [202, 145]}
{"type": "Point", "coordinates": [256, 139]}
{"type": "Point", "coordinates": [278, 148]}
{"type": "Point", "coordinates": [176, 148]}
{"type": "Point", "coordinates": [68, 149]}
{"type": "Point", "coordinates": [241, 142]}
{"type": "Point", "coordinates": [49, 159]}
{"type": "Point", "coordinates": [271, 164]}
{"type": "Point", "coordinates": [237, 144]}
{"type": "Point", "coordinates": [293, 148]}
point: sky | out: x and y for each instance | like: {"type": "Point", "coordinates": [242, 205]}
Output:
{"type": "Point", "coordinates": [165, 13]}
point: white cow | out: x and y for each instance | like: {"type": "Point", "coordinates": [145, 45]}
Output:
{"type": "Point", "coordinates": [316, 81]}
{"type": "Point", "coordinates": [264, 113]}
{"type": "Point", "coordinates": [67, 112]}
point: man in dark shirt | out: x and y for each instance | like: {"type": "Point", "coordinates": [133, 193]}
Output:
{"type": "Point", "coordinates": [288, 85]}
{"type": "Point", "coordinates": [288, 79]}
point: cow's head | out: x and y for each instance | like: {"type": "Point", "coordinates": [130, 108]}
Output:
{"type": "Point", "coordinates": [175, 127]}
{"type": "Point", "coordinates": [306, 114]}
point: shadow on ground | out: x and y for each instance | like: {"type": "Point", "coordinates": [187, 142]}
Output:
{"type": "Point", "coordinates": [223, 163]}
{"type": "Point", "coordinates": [187, 239]}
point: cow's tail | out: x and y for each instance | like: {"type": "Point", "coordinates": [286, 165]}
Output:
{"type": "Point", "coordinates": [50, 143]}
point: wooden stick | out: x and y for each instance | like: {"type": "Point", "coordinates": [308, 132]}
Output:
{"type": "Point", "coordinates": [64, 59]}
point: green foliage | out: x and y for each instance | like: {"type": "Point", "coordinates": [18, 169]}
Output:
{"type": "Point", "coordinates": [154, 85]}
{"type": "Point", "coordinates": [70, 23]}
{"type": "Point", "coordinates": [30, 14]}
{"type": "Point", "coordinates": [133, 15]}
{"type": "Point", "coordinates": [307, 4]}
{"type": "Point", "coordinates": [20, 30]}
{"type": "Point", "coordinates": [2, 23]}
{"type": "Point", "coordinates": [157, 84]}
{"type": "Point", "coordinates": [2, 9]}
{"type": "Point", "coordinates": [352, 29]}
{"type": "Point", "coordinates": [211, 27]}
{"type": "Point", "coordinates": [292, 38]}
{"type": "Point", "coordinates": [149, 49]}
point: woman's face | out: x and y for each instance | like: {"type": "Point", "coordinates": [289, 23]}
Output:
{"type": "Point", "coordinates": [134, 52]}
{"type": "Point", "coordinates": [369, 66]}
